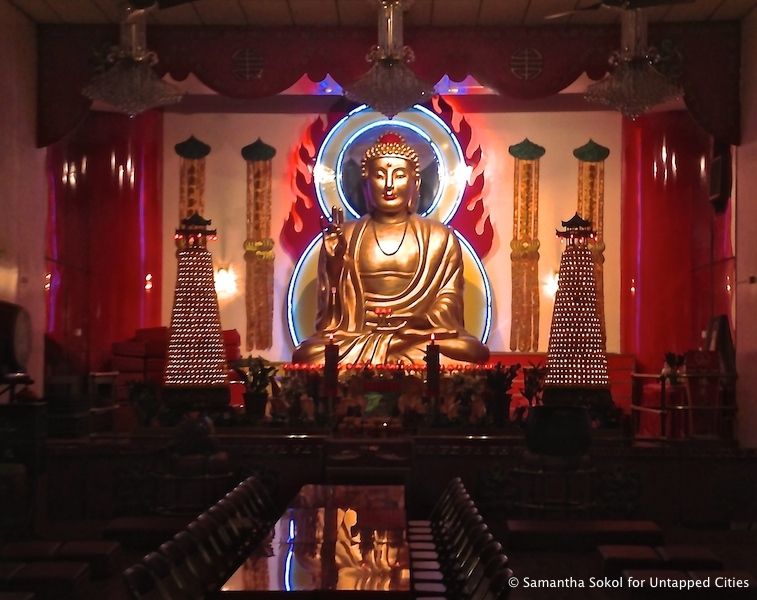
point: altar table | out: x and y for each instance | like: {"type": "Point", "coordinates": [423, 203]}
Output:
{"type": "Point", "coordinates": [332, 541]}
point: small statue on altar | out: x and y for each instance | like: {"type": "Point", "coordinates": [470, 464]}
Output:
{"type": "Point", "coordinates": [410, 403]}
{"type": "Point", "coordinates": [351, 402]}
{"type": "Point", "coordinates": [390, 279]}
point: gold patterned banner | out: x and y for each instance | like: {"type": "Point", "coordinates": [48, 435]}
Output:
{"type": "Point", "coordinates": [524, 255]}
{"type": "Point", "coordinates": [258, 247]}
{"type": "Point", "coordinates": [191, 177]}
{"type": "Point", "coordinates": [591, 205]}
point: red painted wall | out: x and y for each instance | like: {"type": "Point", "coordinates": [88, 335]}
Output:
{"type": "Point", "coordinates": [103, 237]}
{"type": "Point", "coordinates": [677, 258]}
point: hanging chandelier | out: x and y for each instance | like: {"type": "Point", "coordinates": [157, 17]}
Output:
{"type": "Point", "coordinates": [634, 85]}
{"type": "Point", "coordinates": [390, 86]}
{"type": "Point", "coordinates": [128, 82]}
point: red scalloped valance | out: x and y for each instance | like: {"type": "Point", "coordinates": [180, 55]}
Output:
{"type": "Point", "coordinates": [224, 58]}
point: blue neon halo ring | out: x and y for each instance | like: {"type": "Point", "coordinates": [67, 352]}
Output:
{"type": "Point", "coordinates": [451, 167]}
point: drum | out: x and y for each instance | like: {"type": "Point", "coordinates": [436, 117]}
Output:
{"type": "Point", "coordinates": [15, 337]}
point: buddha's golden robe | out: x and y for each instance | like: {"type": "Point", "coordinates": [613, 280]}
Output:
{"type": "Point", "coordinates": [346, 311]}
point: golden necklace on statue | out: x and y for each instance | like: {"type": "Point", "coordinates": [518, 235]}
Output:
{"type": "Point", "coordinates": [399, 245]}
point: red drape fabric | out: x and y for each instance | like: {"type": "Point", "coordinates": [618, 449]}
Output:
{"type": "Point", "coordinates": [520, 62]}
{"type": "Point", "coordinates": [676, 252]}
{"type": "Point", "coordinates": [103, 237]}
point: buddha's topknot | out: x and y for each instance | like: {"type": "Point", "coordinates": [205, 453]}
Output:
{"type": "Point", "coordinates": [391, 144]}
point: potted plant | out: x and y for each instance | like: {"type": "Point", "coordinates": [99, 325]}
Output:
{"type": "Point", "coordinates": [532, 390]}
{"type": "Point", "coordinates": [499, 381]}
{"type": "Point", "coordinates": [258, 380]}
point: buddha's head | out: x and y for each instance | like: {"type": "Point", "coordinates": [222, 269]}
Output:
{"type": "Point", "coordinates": [391, 171]}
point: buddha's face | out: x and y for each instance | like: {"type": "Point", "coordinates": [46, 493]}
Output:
{"type": "Point", "coordinates": [391, 185]}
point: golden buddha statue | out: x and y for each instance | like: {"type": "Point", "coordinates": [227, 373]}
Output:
{"type": "Point", "coordinates": [391, 279]}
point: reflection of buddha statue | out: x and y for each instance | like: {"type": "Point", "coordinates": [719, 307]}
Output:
{"type": "Point", "coordinates": [390, 279]}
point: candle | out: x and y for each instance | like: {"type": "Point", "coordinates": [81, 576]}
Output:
{"type": "Point", "coordinates": [331, 367]}
{"type": "Point", "coordinates": [432, 368]}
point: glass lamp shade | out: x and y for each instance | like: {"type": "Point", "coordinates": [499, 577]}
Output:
{"type": "Point", "coordinates": [131, 86]}
{"type": "Point", "coordinates": [633, 88]}
{"type": "Point", "coordinates": [389, 87]}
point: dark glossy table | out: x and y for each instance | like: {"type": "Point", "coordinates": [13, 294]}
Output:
{"type": "Point", "coordinates": [343, 540]}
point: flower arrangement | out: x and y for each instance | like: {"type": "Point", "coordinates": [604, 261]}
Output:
{"type": "Point", "coordinates": [294, 400]}
{"type": "Point", "coordinates": [395, 393]}
{"type": "Point", "coordinates": [476, 396]}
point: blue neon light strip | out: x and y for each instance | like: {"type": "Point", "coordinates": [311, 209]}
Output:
{"type": "Point", "coordinates": [288, 569]}
{"type": "Point", "coordinates": [290, 292]}
{"type": "Point", "coordinates": [292, 531]}
{"type": "Point", "coordinates": [487, 286]}
{"type": "Point", "coordinates": [319, 158]}
{"type": "Point", "coordinates": [386, 122]}
{"type": "Point", "coordinates": [289, 557]}
{"type": "Point", "coordinates": [441, 163]}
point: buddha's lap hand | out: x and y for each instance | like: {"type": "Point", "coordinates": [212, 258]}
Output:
{"type": "Point", "coordinates": [397, 321]}
{"type": "Point", "coordinates": [415, 321]}
{"type": "Point", "coordinates": [425, 334]}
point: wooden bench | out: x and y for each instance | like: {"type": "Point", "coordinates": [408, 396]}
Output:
{"type": "Point", "coordinates": [579, 534]}
{"type": "Point", "coordinates": [618, 557]}
{"type": "Point", "coordinates": [144, 532]}
{"type": "Point", "coordinates": [102, 556]}
{"type": "Point", "coordinates": [689, 557]}
{"type": "Point", "coordinates": [52, 580]}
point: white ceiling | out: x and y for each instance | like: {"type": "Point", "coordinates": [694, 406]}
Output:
{"type": "Point", "coordinates": [436, 13]}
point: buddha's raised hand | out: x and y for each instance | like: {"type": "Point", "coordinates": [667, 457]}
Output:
{"type": "Point", "coordinates": [334, 242]}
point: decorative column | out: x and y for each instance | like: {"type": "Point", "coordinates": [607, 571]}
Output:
{"type": "Point", "coordinates": [191, 176]}
{"type": "Point", "coordinates": [591, 205]}
{"type": "Point", "coordinates": [258, 247]}
{"type": "Point", "coordinates": [524, 255]}
{"type": "Point", "coordinates": [196, 370]}
{"type": "Point", "coordinates": [576, 359]}
{"type": "Point", "coordinates": [673, 274]}
{"type": "Point", "coordinates": [104, 238]}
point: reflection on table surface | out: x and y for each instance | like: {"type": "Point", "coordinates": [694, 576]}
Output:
{"type": "Point", "coordinates": [333, 537]}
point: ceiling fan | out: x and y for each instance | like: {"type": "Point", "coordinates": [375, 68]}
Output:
{"type": "Point", "coordinates": [126, 80]}
{"type": "Point", "coordinates": [612, 4]}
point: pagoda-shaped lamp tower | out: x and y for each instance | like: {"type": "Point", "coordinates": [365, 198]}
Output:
{"type": "Point", "coordinates": [196, 370]}
{"type": "Point", "coordinates": [576, 359]}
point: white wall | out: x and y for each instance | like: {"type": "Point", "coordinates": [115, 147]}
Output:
{"type": "Point", "coordinates": [225, 204]}
{"type": "Point", "coordinates": [23, 193]}
{"type": "Point", "coordinates": [746, 233]}
{"type": "Point", "coordinates": [559, 133]}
